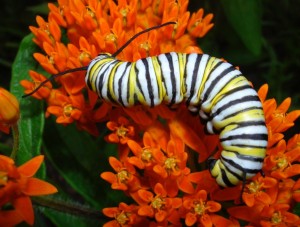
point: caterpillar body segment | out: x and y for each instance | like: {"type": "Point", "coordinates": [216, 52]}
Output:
{"type": "Point", "coordinates": [216, 90]}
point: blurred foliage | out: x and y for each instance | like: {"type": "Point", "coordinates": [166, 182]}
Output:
{"type": "Point", "coordinates": [15, 18]}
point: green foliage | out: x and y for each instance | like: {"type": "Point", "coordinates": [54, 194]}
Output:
{"type": "Point", "coordinates": [245, 18]}
{"type": "Point", "coordinates": [32, 118]}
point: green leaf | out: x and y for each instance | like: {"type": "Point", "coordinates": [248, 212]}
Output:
{"type": "Point", "coordinates": [31, 123]}
{"type": "Point", "coordinates": [79, 160]}
{"type": "Point", "coordinates": [245, 18]}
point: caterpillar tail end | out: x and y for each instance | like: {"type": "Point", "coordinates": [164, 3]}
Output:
{"type": "Point", "coordinates": [216, 170]}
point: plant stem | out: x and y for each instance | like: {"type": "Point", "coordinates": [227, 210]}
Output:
{"type": "Point", "coordinates": [15, 130]}
{"type": "Point", "coordinates": [67, 207]}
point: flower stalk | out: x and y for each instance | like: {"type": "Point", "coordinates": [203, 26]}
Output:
{"type": "Point", "coordinates": [16, 141]}
{"type": "Point", "coordinates": [66, 207]}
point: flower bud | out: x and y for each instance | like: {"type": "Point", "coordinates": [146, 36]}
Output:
{"type": "Point", "coordinates": [9, 108]}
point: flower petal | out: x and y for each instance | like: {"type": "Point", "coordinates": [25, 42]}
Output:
{"type": "Point", "coordinates": [146, 211]}
{"type": "Point", "coordinates": [205, 220]}
{"type": "Point", "coordinates": [213, 206]}
{"type": "Point", "coordinates": [109, 176]}
{"type": "Point", "coordinates": [190, 219]}
{"type": "Point", "coordinates": [160, 215]}
{"type": "Point", "coordinates": [249, 199]}
{"type": "Point", "coordinates": [10, 218]}
{"type": "Point", "coordinates": [36, 187]}
{"type": "Point", "coordinates": [24, 207]}
{"type": "Point", "coordinates": [145, 195]}
{"type": "Point", "coordinates": [110, 211]}
{"type": "Point", "coordinates": [29, 168]}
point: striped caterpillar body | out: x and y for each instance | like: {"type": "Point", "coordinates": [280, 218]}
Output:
{"type": "Point", "coordinates": [214, 89]}
{"type": "Point", "coordinates": [210, 87]}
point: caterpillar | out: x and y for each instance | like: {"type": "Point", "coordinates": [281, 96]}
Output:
{"type": "Point", "coordinates": [210, 87]}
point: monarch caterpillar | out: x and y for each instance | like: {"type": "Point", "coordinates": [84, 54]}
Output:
{"type": "Point", "coordinates": [215, 89]}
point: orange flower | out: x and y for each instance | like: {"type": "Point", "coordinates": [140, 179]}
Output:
{"type": "Point", "coordinates": [173, 161]}
{"type": "Point", "coordinates": [125, 179]}
{"type": "Point", "coordinates": [65, 109]}
{"type": "Point", "coordinates": [281, 162]}
{"type": "Point", "coordinates": [277, 120]}
{"type": "Point", "coordinates": [124, 215]}
{"type": "Point", "coordinates": [143, 156]}
{"type": "Point", "coordinates": [43, 92]}
{"type": "Point", "coordinates": [171, 167]}
{"type": "Point", "coordinates": [199, 28]}
{"type": "Point", "coordinates": [278, 215]}
{"type": "Point", "coordinates": [260, 190]}
{"type": "Point", "coordinates": [122, 131]}
{"type": "Point", "coordinates": [159, 206]}
{"type": "Point", "coordinates": [9, 110]}
{"type": "Point", "coordinates": [267, 216]}
{"type": "Point", "coordinates": [16, 185]}
{"type": "Point", "coordinates": [197, 208]}
{"type": "Point", "coordinates": [47, 32]}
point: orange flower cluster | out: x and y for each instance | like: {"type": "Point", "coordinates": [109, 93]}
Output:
{"type": "Point", "coordinates": [94, 27]}
{"type": "Point", "coordinates": [17, 184]}
{"type": "Point", "coordinates": [161, 172]}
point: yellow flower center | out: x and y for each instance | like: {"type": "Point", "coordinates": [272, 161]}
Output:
{"type": "Point", "coordinates": [84, 55]}
{"type": "Point", "coordinates": [158, 203]}
{"type": "Point", "coordinates": [199, 208]}
{"type": "Point", "coordinates": [123, 176]}
{"type": "Point", "coordinates": [61, 10]}
{"type": "Point", "coordinates": [146, 155]}
{"type": "Point", "coordinates": [122, 218]}
{"type": "Point", "coordinates": [276, 218]}
{"type": "Point", "coordinates": [90, 12]}
{"type": "Point", "coordinates": [121, 131]}
{"type": "Point", "coordinates": [279, 115]}
{"type": "Point", "coordinates": [68, 110]}
{"type": "Point", "coordinates": [36, 84]}
{"type": "Point", "coordinates": [170, 163]}
{"type": "Point", "coordinates": [254, 187]}
{"type": "Point", "coordinates": [51, 60]}
{"type": "Point", "coordinates": [146, 46]}
{"type": "Point", "coordinates": [3, 178]}
{"type": "Point", "coordinates": [45, 28]}
{"type": "Point", "coordinates": [282, 162]}
{"type": "Point", "coordinates": [124, 12]}
{"type": "Point", "coordinates": [111, 37]}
